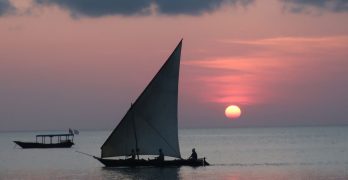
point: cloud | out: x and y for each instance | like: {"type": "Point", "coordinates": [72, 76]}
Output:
{"type": "Point", "coordinates": [294, 45]}
{"type": "Point", "coordinates": [309, 6]}
{"type": "Point", "coordinates": [239, 85]}
{"type": "Point", "coordinates": [5, 7]}
{"type": "Point", "coordinates": [273, 71]}
{"type": "Point", "coordinates": [92, 8]}
{"type": "Point", "coordinates": [331, 41]}
{"type": "Point", "coordinates": [195, 7]}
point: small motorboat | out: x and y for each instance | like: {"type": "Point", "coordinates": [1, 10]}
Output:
{"type": "Point", "coordinates": [62, 141]}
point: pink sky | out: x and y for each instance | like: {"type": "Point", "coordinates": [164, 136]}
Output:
{"type": "Point", "coordinates": [61, 67]}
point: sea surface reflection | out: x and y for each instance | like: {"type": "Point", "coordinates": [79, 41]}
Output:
{"type": "Point", "coordinates": [141, 173]}
{"type": "Point", "coordinates": [234, 154]}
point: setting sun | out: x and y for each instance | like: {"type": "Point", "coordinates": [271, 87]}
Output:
{"type": "Point", "coordinates": [233, 112]}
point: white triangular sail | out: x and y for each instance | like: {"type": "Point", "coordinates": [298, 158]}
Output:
{"type": "Point", "coordinates": [151, 122]}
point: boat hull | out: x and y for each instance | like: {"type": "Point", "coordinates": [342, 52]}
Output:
{"type": "Point", "coordinates": [31, 145]}
{"type": "Point", "coordinates": [143, 162]}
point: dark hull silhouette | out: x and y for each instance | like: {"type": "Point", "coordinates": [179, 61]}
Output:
{"type": "Point", "coordinates": [27, 145]}
{"type": "Point", "coordinates": [143, 162]}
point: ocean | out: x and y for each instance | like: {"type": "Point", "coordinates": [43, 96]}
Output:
{"type": "Point", "coordinates": [234, 153]}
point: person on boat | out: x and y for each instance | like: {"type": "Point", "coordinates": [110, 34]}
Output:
{"type": "Point", "coordinates": [193, 155]}
{"type": "Point", "coordinates": [132, 154]}
{"type": "Point", "coordinates": [138, 150]}
{"type": "Point", "coordinates": [160, 156]}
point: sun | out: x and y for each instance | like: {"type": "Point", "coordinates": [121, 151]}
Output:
{"type": "Point", "coordinates": [233, 112]}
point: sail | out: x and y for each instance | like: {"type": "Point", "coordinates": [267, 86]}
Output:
{"type": "Point", "coordinates": [151, 122]}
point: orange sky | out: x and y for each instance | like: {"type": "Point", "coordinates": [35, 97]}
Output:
{"type": "Point", "coordinates": [284, 63]}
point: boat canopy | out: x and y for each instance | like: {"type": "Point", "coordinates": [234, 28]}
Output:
{"type": "Point", "coordinates": [53, 135]}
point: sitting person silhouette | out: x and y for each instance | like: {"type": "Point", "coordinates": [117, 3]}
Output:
{"type": "Point", "coordinates": [193, 155]}
{"type": "Point", "coordinates": [132, 154]}
{"type": "Point", "coordinates": [160, 156]}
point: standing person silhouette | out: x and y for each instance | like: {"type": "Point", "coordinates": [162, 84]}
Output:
{"type": "Point", "coordinates": [160, 156]}
{"type": "Point", "coordinates": [138, 150]}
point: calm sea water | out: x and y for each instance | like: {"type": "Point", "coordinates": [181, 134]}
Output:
{"type": "Point", "coordinates": [242, 153]}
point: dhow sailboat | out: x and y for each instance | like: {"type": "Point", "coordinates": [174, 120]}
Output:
{"type": "Point", "coordinates": [150, 124]}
